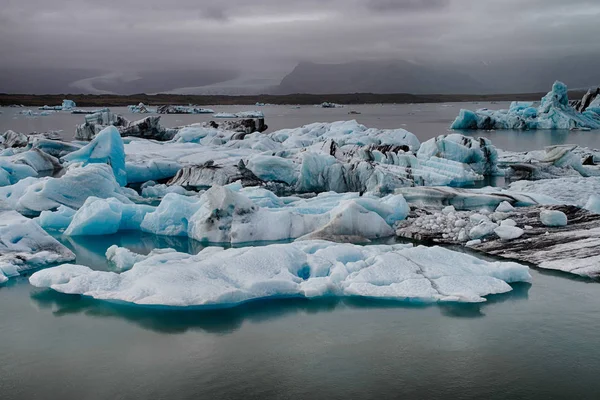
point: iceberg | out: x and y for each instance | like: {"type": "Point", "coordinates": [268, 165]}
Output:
{"type": "Point", "coordinates": [68, 105]}
{"type": "Point", "coordinates": [106, 148]}
{"type": "Point", "coordinates": [10, 139]}
{"type": "Point", "coordinates": [554, 112]}
{"type": "Point", "coordinates": [26, 164]}
{"type": "Point", "coordinates": [478, 153]}
{"type": "Point", "coordinates": [94, 123]}
{"type": "Point", "coordinates": [224, 278]}
{"type": "Point", "coordinates": [106, 216]}
{"type": "Point", "coordinates": [552, 162]}
{"type": "Point", "coordinates": [168, 109]}
{"type": "Point", "coordinates": [141, 108]}
{"type": "Point", "coordinates": [241, 114]}
{"type": "Point", "coordinates": [24, 245]}
{"type": "Point", "coordinates": [571, 191]}
{"type": "Point", "coordinates": [30, 196]}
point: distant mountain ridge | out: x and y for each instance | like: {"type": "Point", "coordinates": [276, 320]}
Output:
{"type": "Point", "coordinates": [516, 76]}
{"type": "Point", "coordinates": [378, 77]}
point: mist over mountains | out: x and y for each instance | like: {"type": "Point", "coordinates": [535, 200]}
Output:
{"type": "Point", "coordinates": [393, 76]}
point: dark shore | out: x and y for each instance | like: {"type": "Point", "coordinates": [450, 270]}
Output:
{"type": "Point", "coordinates": [83, 100]}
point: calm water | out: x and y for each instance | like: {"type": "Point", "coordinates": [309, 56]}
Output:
{"type": "Point", "coordinates": [424, 120]}
{"type": "Point", "coordinates": [540, 341]}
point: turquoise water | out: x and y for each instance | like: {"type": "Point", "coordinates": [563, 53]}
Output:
{"type": "Point", "coordinates": [539, 341]}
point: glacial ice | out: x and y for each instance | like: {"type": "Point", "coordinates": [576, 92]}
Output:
{"type": "Point", "coordinates": [506, 232]}
{"type": "Point", "coordinates": [106, 148]}
{"type": "Point", "coordinates": [168, 109]}
{"type": "Point", "coordinates": [224, 278]}
{"type": "Point", "coordinates": [24, 245]}
{"type": "Point", "coordinates": [478, 153]}
{"type": "Point", "coordinates": [572, 190]}
{"type": "Point", "coordinates": [68, 105]}
{"type": "Point", "coordinates": [553, 218]}
{"type": "Point", "coordinates": [593, 204]}
{"type": "Point", "coordinates": [221, 215]}
{"type": "Point", "coordinates": [106, 216]}
{"type": "Point", "coordinates": [554, 112]}
{"type": "Point", "coordinates": [241, 114]}
{"type": "Point", "coordinates": [30, 196]}
{"type": "Point", "coordinates": [141, 108]}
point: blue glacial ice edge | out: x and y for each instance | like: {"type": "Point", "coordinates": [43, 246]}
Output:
{"type": "Point", "coordinates": [554, 112]}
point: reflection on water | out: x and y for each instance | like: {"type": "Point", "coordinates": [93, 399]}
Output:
{"type": "Point", "coordinates": [227, 320]}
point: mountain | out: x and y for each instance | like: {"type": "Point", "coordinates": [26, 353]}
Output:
{"type": "Point", "coordinates": [525, 75]}
{"type": "Point", "coordinates": [379, 77]}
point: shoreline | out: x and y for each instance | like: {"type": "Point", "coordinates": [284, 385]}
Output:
{"type": "Point", "coordinates": [84, 100]}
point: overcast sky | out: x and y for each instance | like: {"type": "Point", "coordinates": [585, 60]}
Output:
{"type": "Point", "coordinates": [276, 34]}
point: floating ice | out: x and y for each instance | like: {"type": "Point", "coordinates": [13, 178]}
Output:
{"type": "Point", "coordinates": [478, 153]}
{"type": "Point", "coordinates": [106, 148]}
{"type": "Point", "coordinates": [24, 245]}
{"type": "Point", "coordinates": [553, 218]}
{"type": "Point", "coordinates": [221, 215]}
{"type": "Point", "coordinates": [141, 108]}
{"type": "Point", "coordinates": [30, 196]}
{"type": "Point", "coordinates": [573, 190]}
{"type": "Point", "coordinates": [106, 216]}
{"type": "Point", "coordinates": [160, 191]}
{"type": "Point", "coordinates": [68, 105]}
{"type": "Point", "coordinates": [554, 112]}
{"type": "Point", "coordinates": [168, 109]}
{"type": "Point", "coordinates": [225, 278]}
{"type": "Point", "coordinates": [241, 114]}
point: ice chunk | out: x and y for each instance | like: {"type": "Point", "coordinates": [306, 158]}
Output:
{"type": "Point", "coordinates": [478, 153]}
{"type": "Point", "coordinates": [506, 232]}
{"type": "Point", "coordinates": [106, 148]}
{"type": "Point", "coordinates": [106, 216]}
{"type": "Point", "coordinates": [57, 220]}
{"type": "Point", "coordinates": [269, 168]}
{"type": "Point", "coordinates": [159, 191]}
{"type": "Point", "coordinates": [24, 245]}
{"type": "Point", "coordinates": [485, 228]}
{"type": "Point", "coordinates": [553, 218]}
{"type": "Point", "coordinates": [151, 170]}
{"type": "Point", "coordinates": [217, 277]}
{"type": "Point", "coordinates": [505, 207]}
{"type": "Point", "coordinates": [593, 204]}
{"type": "Point", "coordinates": [241, 114]}
{"type": "Point", "coordinates": [68, 105]}
{"type": "Point", "coordinates": [573, 190]}
{"type": "Point", "coordinates": [30, 196]}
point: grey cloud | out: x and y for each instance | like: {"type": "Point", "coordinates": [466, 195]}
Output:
{"type": "Point", "coordinates": [406, 5]}
{"type": "Point", "coordinates": [273, 35]}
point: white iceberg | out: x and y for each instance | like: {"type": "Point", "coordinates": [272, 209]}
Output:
{"type": "Point", "coordinates": [31, 196]}
{"type": "Point", "coordinates": [24, 245]}
{"type": "Point", "coordinates": [572, 190]}
{"type": "Point", "coordinates": [223, 278]}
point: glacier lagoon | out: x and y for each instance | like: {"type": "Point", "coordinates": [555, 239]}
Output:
{"type": "Point", "coordinates": [424, 120]}
{"type": "Point", "coordinates": [538, 341]}
{"type": "Point", "coordinates": [451, 350]}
